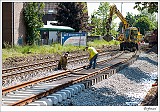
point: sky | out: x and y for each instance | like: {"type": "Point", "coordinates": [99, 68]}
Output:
{"type": "Point", "coordinates": [126, 7]}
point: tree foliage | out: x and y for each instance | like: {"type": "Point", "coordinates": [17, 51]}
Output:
{"type": "Point", "coordinates": [144, 24]}
{"type": "Point", "coordinates": [95, 25]}
{"type": "Point", "coordinates": [145, 21]}
{"type": "Point", "coordinates": [151, 6]}
{"type": "Point", "coordinates": [99, 19]}
{"type": "Point", "coordinates": [33, 12]}
{"type": "Point", "coordinates": [84, 17]}
{"type": "Point", "coordinates": [120, 27]}
{"type": "Point", "coordinates": [72, 14]}
{"type": "Point", "coordinates": [151, 17]}
{"type": "Point", "coordinates": [130, 18]}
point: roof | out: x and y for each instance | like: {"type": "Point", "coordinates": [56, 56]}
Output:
{"type": "Point", "coordinates": [55, 28]}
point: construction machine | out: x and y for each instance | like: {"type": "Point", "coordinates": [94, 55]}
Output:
{"type": "Point", "coordinates": [151, 37]}
{"type": "Point", "coordinates": [130, 36]}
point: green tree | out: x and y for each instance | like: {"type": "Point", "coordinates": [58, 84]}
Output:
{"type": "Point", "coordinates": [72, 14]}
{"type": "Point", "coordinates": [130, 18]}
{"type": "Point", "coordinates": [102, 14]}
{"type": "Point", "coordinates": [144, 24]}
{"type": "Point", "coordinates": [145, 16]}
{"type": "Point", "coordinates": [120, 27]}
{"type": "Point", "coordinates": [99, 19]}
{"type": "Point", "coordinates": [84, 17]}
{"type": "Point", "coordinates": [95, 24]}
{"type": "Point", "coordinates": [151, 17]}
{"type": "Point", "coordinates": [151, 6]}
{"type": "Point", "coordinates": [33, 12]}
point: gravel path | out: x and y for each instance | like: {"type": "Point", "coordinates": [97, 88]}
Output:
{"type": "Point", "coordinates": [128, 87]}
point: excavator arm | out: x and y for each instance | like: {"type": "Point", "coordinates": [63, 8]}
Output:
{"type": "Point", "coordinates": [130, 36]}
{"type": "Point", "coordinates": [114, 10]}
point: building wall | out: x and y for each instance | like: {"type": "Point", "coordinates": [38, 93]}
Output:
{"type": "Point", "coordinates": [50, 12]}
{"type": "Point", "coordinates": [13, 23]}
{"type": "Point", "coordinates": [19, 26]}
{"type": "Point", "coordinates": [50, 6]}
{"type": "Point", "coordinates": [7, 22]}
{"type": "Point", "coordinates": [48, 17]}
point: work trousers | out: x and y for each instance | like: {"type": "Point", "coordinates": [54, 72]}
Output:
{"type": "Point", "coordinates": [93, 61]}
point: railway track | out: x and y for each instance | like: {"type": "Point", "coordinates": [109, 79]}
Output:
{"type": "Point", "coordinates": [61, 72]}
{"type": "Point", "coordinates": [30, 91]}
{"type": "Point", "coordinates": [47, 60]}
{"type": "Point", "coordinates": [24, 73]}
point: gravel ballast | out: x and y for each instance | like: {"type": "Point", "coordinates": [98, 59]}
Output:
{"type": "Point", "coordinates": [128, 87]}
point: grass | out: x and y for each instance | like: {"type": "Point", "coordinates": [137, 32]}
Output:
{"type": "Point", "coordinates": [99, 43]}
{"type": "Point", "coordinates": [19, 51]}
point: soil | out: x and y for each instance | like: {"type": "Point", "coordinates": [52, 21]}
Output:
{"type": "Point", "coordinates": [151, 98]}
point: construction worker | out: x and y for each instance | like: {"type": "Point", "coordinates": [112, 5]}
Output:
{"type": "Point", "coordinates": [63, 62]}
{"type": "Point", "coordinates": [93, 54]}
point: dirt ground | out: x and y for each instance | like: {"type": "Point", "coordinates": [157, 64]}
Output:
{"type": "Point", "coordinates": [151, 98]}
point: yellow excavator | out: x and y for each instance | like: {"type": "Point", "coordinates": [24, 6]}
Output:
{"type": "Point", "coordinates": [129, 38]}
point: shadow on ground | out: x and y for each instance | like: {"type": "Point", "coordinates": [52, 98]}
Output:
{"type": "Point", "coordinates": [136, 75]}
{"type": "Point", "coordinates": [105, 97]}
{"type": "Point", "coordinates": [148, 60]}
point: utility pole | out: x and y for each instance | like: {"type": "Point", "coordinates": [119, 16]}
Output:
{"type": "Point", "coordinates": [121, 7]}
{"type": "Point", "coordinates": [103, 21]}
{"type": "Point", "coordinates": [80, 38]}
{"type": "Point", "coordinates": [122, 14]}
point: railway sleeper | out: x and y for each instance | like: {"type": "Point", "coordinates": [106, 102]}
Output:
{"type": "Point", "coordinates": [105, 75]}
{"type": "Point", "coordinates": [41, 102]}
{"type": "Point", "coordinates": [97, 78]}
{"type": "Point", "coordinates": [59, 96]}
{"type": "Point", "coordinates": [126, 64]}
{"type": "Point", "coordinates": [75, 89]}
{"type": "Point", "coordinates": [31, 74]}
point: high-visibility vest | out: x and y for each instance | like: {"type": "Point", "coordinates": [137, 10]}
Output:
{"type": "Point", "coordinates": [92, 52]}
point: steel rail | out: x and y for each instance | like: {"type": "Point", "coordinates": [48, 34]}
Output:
{"type": "Point", "coordinates": [47, 92]}
{"type": "Point", "coordinates": [38, 68]}
{"type": "Point", "coordinates": [31, 65]}
{"type": "Point", "coordinates": [45, 62]}
{"type": "Point", "coordinates": [10, 77]}
{"type": "Point", "coordinates": [50, 61]}
{"type": "Point", "coordinates": [12, 88]}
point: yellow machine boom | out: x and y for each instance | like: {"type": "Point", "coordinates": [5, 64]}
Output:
{"type": "Point", "coordinates": [130, 35]}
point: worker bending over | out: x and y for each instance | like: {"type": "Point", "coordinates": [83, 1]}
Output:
{"type": "Point", "coordinates": [93, 54]}
{"type": "Point", "coordinates": [63, 62]}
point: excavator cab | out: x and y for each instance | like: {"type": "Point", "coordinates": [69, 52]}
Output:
{"type": "Point", "coordinates": [130, 39]}
{"type": "Point", "coordinates": [131, 34]}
